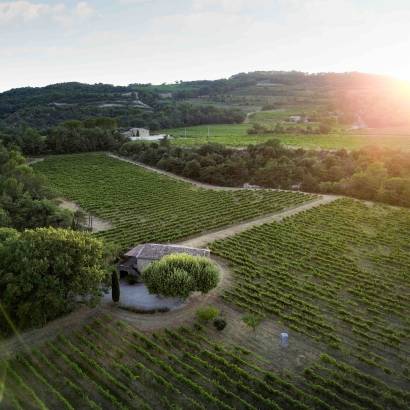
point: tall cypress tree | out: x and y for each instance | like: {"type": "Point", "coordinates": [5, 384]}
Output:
{"type": "Point", "coordinates": [115, 285]}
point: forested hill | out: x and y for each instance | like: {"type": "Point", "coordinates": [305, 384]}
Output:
{"type": "Point", "coordinates": [133, 105]}
{"type": "Point", "coordinates": [376, 100]}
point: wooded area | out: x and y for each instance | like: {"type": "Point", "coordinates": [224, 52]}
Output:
{"type": "Point", "coordinates": [370, 173]}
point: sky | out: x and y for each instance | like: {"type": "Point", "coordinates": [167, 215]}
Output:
{"type": "Point", "coordinates": [155, 41]}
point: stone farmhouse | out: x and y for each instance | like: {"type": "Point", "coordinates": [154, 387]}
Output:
{"type": "Point", "coordinates": [136, 259]}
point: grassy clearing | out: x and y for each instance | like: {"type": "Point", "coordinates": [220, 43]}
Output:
{"type": "Point", "coordinates": [144, 206]}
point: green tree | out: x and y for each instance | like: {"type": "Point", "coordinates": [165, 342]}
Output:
{"type": "Point", "coordinates": [44, 272]}
{"type": "Point", "coordinates": [24, 202]}
{"type": "Point", "coordinates": [192, 169]}
{"type": "Point", "coordinates": [115, 286]}
{"type": "Point", "coordinates": [367, 184]}
{"type": "Point", "coordinates": [178, 275]}
{"type": "Point", "coordinates": [396, 191]}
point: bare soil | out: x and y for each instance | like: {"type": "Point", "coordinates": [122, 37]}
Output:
{"type": "Point", "coordinates": [98, 224]}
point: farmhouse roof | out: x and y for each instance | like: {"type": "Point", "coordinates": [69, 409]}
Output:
{"type": "Point", "coordinates": [155, 251]}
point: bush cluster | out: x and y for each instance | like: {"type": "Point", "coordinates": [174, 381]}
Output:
{"type": "Point", "coordinates": [178, 275]}
{"type": "Point", "coordinates": [207, 313]}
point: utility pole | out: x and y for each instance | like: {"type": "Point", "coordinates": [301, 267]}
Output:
{"type": "Point", "coordinates": [208, 135]}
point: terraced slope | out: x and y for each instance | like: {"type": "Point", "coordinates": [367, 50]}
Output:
{"type": "Point", "coordinates": [147, 207]}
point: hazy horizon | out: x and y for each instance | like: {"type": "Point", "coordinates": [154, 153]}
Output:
{"type": "Point", "coordinates": [154, 41]}
{"type": "Point", "coordinates": [200, 79]}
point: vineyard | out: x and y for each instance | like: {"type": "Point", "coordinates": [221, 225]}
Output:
{"type": "Point", "coordinates": [146, 207]}
{"type": "Point", "coordinates": [338, 274]}
{"type": "Point", "coordinates": [109, 364]}
{"type": "Point", "coordinates": [336, 277]}
{"type": "Point", "coordinates": [235, 135]}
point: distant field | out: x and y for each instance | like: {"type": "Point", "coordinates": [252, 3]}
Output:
{"type": "Point", "coordinates": [144, 206]}
{"type": "Point", "coordinates": [235, 135]}
{"type": "Point", "coordinates": [270, 118]}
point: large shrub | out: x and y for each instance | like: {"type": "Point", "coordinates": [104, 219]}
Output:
{"type": "Point", "coordinates": [178, 275]}
{"type": "Point", "coordinates": [44, 271]}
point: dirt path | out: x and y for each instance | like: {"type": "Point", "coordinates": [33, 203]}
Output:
{"type": "Point", "coordinates": [248, 117]}
{"type": "Point", "coordinates": [97, 224]}
{"type": "Point", "coordinates": [192, 181]}
{"type": "Point", "coordinates": [173, 176]}
{"type": "Point", "coordinates": [31, 161]}
{"type": "Point", "coordinates": [203, 240]}
{"type": "Point", "coordinates": [64, 325]}
{"type": "Point", "coordinates": [150, 322]}
{"type": "Point", "coordinates": [177, 317]}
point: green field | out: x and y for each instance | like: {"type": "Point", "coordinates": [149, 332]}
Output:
{"type": "Point", "coordinates": [235, 135]}
{"type": "Point", "coordinates": [338, 274]}
{"type": "Point", "coordinates": [144, 206]}
{"type": "Point", "coordinates": [109, 364]}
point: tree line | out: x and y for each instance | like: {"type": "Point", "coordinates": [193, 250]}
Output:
{"type": "Point", "coordinates": [371, 173]}
{"type": "Point", "coordinates": [93, 134]}
{"type": "Point", "coordinates": [46, 263]}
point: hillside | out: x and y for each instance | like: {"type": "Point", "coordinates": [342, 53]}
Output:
{"type": "Point", "coordinates": [374, 100]}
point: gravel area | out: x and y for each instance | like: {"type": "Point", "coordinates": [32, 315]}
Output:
{"type": "Point", "coordinates": [137, 297]}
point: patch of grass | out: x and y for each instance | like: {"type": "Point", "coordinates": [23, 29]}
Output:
{"type": "Point", "coordinates": [252, 320]}
{"type": "Point", "coordinates": [207, 313]}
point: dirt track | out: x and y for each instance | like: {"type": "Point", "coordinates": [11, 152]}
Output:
{"type": "Point", "coordinates": [67, 324]}
{"type": "Point", "coordinates": [98, 224]}
{"type": "Point", "coordinates": [203, 240]}
{"type": "Point", "coordinates": [173, 176]}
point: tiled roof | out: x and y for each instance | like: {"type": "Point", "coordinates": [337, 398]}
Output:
{"type": "Point", "coordinates": [157, 251]}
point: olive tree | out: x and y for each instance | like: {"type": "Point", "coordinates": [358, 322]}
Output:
{"type": "Point", "coordinates": [178, 275]}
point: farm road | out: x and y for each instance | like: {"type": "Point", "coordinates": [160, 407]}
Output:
{"type": "Point", "coordinates": [211, 236]}
{"type": "Point", "coordinates": [192, 181]}
{"type": "Point", "coordinates": [173, 176]}
{"type": "Point", "coordinates": [203, 240]}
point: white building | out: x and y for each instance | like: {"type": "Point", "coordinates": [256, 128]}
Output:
{"type": "Point", "coordinates": [136, 133]}
{"type": "Point", "coordinates": [165, 95]}
{"type": "Point", "coordinates": [142, 134]}
{"type": "Point", "coordinates": [298, 119]}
